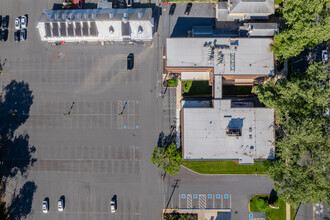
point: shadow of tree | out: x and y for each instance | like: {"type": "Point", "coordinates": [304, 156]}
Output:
{"type": "Point", "coordinates": [14, 107]}
{"type": "Point", "coordinates": [16, 156]}
{"type": "Point", "coordinates": [165, 140]}
{"type": "Point", "coordinates": [22, 203]}
{"type": "Point", "coordinates": [15, 153]}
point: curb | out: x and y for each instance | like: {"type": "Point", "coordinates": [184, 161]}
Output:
{"type": "Point", "coordinates": [205, 174]}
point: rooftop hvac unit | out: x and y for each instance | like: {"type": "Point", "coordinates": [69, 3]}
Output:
{"type": "Point", "coordinates": [140, 29]}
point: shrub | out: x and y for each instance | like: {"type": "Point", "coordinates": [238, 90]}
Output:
{"type": "Point", "coordinates": [262, 203]}
{"type": "Point", "coordinates": [172, 82]}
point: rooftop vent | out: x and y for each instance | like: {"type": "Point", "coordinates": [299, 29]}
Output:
{"type": "Point", "coordinates": [111, 30]}
{"type": "Point", "coordinates": [140, 29]}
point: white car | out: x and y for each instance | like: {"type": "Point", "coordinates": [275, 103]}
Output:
{"type": "Point", "coordinates": [60, 205]}
{"type": "Point", "coordinates": [112, 206]}
{"type": "Point", "coordinates": [23, 21]}
{"type": "Point", "coordinates": [45, 206]}
{"type": "Point", "coordinates": [17, 23]}
{"type": "Point", "coordinates": [324, 56]}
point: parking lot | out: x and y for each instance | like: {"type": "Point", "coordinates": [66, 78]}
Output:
{"type": "Point", "coordinates": [92, 123]}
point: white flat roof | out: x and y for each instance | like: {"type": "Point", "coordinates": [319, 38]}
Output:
{"type": "Point", "coordinates": [244, 56]}
{"type": "Point", "coordinates": [204, 133]}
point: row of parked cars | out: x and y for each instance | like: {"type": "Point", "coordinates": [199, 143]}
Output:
{"type": "Point", "coordinates": [20, 26]}
{"type": "Point", "coordinates": [4, 21]}
{"type": "Point", "coordinates": [60, 204]}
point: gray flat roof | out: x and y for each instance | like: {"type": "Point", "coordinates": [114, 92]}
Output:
{"type": "Point", "coordinates": [205, 137]}
{"type": "Point", "coordinates": [246, 56]}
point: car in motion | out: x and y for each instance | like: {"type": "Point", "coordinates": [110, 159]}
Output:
{"type": "Point", "coordinates": [130, 61]}
{"type": "Point", "coordinates": [188, 8]}
{"type": "Point", "coordinates": [22, 35]}
{"type": "Point", "coordinates": [45, 206]}
{"type": "Point", "coordinates": [5, 22]}
{"type": "Point", "coordinates": [172, 9]}
{"type": "Point", "coordinates": [113, 205]}
{"type": "Point", "coordinates": [17, 24]}
{"type": "Point", "coordinates": [60, 205]}
{"type": "Point", "coordinates": [23, 21]}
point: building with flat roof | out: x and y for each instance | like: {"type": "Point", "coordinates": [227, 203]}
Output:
{"type": "Point", "coordinates": [227, 132]}
{"type": "Point", "coordinates": [237, 60]}
{"type": "Point", "coordinates": [94, 25]}
{"type": "Point", "coordinates": [232, 10]}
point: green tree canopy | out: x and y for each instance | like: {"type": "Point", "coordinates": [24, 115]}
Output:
{"type": "Point", "coordinates": [301, 171]}
{"type": "Point", "coordinates": [308, 24]}
{"type": "Point", "coordinates": [168, 158]}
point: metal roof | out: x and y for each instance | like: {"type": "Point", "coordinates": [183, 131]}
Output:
{"type": "Point", "coordinates": [252, 6]}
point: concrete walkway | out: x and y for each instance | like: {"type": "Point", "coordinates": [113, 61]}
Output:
{"type": "Point", "coordinates": [287, 211]}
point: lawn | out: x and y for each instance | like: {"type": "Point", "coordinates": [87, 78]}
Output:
{"type": "Point", "coordinates": [271, 214]}
{"type": "Point", "coordinates": [236, 90]}
{"type": "Point", "coordinates": [226, 167]}
{"type": "Point", "coordinates": [196, 88]}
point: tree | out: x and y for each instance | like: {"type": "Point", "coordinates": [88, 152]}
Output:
{"type": "Point", "coordinates": [301, 169]}
{"type": "Point", "coordinates": [307, 23]}
{"type": "Point", "coordinates": [168, 158]}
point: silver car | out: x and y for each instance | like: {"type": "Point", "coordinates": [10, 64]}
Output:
{"type": "Point", "coordinates": [17, 24]}
{"type": "Point", "coordinates": [23, 21]}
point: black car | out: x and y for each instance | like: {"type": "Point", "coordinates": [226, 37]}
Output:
{"type": "Point", "coordinates": [5, 22]}
{"type": "Point", "coordinates": [16, 36]}
{"type": "Point", "coordinates": [188, 8]}
{"type": "Point", "coordinates": [172, 9]}
{"type": "Point", "coordinates": [130, 61]}
{"type": "Point", "coordinates": [4, 35]}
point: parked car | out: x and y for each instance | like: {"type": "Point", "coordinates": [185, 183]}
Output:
{"type": "Point", "coordinates": [23, 21]}
{"type": "Point", "coordinates": [324, 56]}
{"type": "Point", "coordinates": [0, 20]}
{"type": "Point", "coordinates": [16, 36]}
{"type": "Point", "coordinates": [172, 9]}
{"type": "Point", "coordinates": [4, 35]}
{"type": "Point", "coordinates": [113, 205]}
{"type": "Point", "coordinates": [60, 205]}
{"type": "Point", "coordinates": [80, 4]}
{"type": "Point", "coordinates": [129, 3]}
{"type": "Point", "coordinates": [45, 206]}
{"type": "Point", "coordinates": [121, 4]}
{"type": "Point", "coordinates": [188, 8]}
{"type": "Point", "coordinates": [22, 35]}
{"type": "Point", "coordinates": [130, 61]}
{"type": "Point", "coordinates": [5, 22]}
{"type": "Point", "coordinates": [17, 24]}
